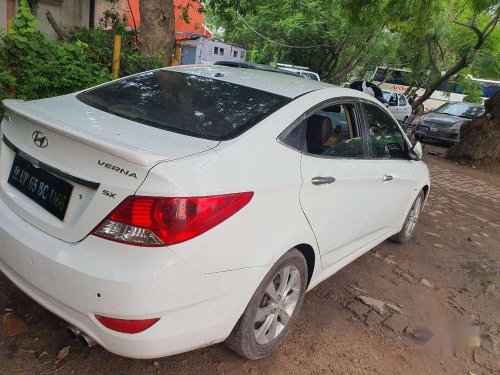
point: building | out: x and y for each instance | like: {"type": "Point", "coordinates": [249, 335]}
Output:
{"type": "Point", "coordinates": [87, 13]}
{"type": "Point", "coordinates": [202, 50]}
{"type": "Point", "coordinates": [182, 28]}
{"type": "Point", "coordinates": [194, 44]}
{"type": "Point", "coordinates": [67, 13]}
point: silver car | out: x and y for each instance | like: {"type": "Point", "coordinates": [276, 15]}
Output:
{"type": "Point", "coordinates": [444, 123]}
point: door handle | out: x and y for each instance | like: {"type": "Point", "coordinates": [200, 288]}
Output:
{"type": "Point", "coordinates": [387, 177]}
{"type": "Point", "coordinates": [322, 180]}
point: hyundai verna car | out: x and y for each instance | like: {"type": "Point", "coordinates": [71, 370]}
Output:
{"type": "Point", "coordinates": [443, 124]}
{"type": "Point", "coordinates": [187, 206]}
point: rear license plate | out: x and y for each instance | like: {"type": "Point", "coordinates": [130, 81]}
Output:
{"type": "Point", "coordinates": [433, 129]}
{"type": "Point", "coordinates": [46, 189]}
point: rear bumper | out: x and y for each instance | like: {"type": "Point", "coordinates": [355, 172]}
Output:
{"type": "Point", "coordinates": [95, 276]}
{"type": "Point", "coordinates": [448, 137]}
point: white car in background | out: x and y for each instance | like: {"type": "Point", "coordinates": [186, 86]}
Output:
{"type": "Point", "coordinates": [186, 206]}
{"type": "Point", "coordinates": [302, 71]}
{"type": "Point", "coordinates": [398, 105]}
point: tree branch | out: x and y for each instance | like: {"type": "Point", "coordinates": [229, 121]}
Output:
{"type": "Point", "coordinates": [55, 26]}
{"type": "Point", "coordinates": [431, 58]}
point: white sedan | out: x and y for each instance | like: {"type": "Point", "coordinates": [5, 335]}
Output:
{"type": "Point", "coordinates": [398, 105]}
{"type": "Point", "coordinates": [186, 206]}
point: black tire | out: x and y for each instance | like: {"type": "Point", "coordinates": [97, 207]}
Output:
{"type": "Point", "coordinates": [243, 339]}
{"type": "Point", "coordinates": [406, 233]}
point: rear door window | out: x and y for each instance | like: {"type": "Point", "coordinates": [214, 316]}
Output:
{"type": "Point", "coordinates": [185, 103]}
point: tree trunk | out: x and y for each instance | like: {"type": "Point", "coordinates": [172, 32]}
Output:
{"type": "Point", "coordinates": [462, 63]}
{"type": "Point", "coordinates": [157, 29]}
{"type": "Point", "coordinates": [55, 26]}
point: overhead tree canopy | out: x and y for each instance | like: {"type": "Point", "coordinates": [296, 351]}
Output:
{"type": "Point", "coordinates": [427, 36]}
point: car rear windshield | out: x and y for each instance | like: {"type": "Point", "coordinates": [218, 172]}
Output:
{"type": "Point", "coordinates": [185, 103]}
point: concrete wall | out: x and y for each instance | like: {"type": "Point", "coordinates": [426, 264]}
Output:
{"type": "Point", "coordinates": [120, 7]}
{"type": "Point", "coordinates": [71, 13]}
{"type": "Point", "coordinates": [206, 51]}
{"type": "Point", "coordinates": [3, 15]}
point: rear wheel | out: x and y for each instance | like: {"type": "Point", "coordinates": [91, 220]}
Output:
{"type": "Point", "coordinates": [406, 232]}
{"type": "Point", "coordinates": [272, 309]}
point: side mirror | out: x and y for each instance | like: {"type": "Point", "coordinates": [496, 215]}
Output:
{"type": "Point", "coordinates": [416, 151]}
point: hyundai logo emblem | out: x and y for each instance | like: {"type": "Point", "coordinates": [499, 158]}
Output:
{"type": "Point", "coordinates": [40, 139]}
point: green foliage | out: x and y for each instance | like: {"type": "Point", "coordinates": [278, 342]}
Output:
{"type": "Point", "coordinates": [471, 88]}
{"type": "Point", "coordinates": [23, 23]}
{"type": "Point", "coordinates": [33, 66]}
{"type": "Point", "coordinates": [99, 50]}
{"type": "Point", "coordinates": [340, 33]}
{"type": "Point", "coordinates": [114, 19]}
{"type": "Point", "coordinates": [43, 67]}
{"type": "Point", "coordinates": [487, 62]}
{"type": "Point", "coordinates": [354, 37]}
{"type": "Point", "coordinates": [436, 35]}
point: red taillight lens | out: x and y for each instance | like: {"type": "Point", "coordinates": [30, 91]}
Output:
{"type": "Point", "coordinates": [126, 326]}
{"type": "Point", "coordinates": [157, 221]}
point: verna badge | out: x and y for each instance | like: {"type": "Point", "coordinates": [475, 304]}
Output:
{"type": "Point", "coordinates": [40, 139]}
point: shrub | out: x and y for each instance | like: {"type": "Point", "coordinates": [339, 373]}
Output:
{"type": "Point", "coordinates": [39, 67]}
{"type": "Point", "coordinates": [100, 42]}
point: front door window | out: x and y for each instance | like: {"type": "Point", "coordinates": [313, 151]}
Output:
{"type": "Point", "coordinates": [385, 138]}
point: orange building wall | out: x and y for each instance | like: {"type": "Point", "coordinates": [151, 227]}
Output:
{"type": "Point", "coordinates": [182, 28]}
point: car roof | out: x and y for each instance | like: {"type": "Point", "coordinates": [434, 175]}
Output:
{"type": "Point", "coordinates": [276, 83]}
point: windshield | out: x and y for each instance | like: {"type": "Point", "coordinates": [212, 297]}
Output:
{"type": "Point", "coordinates": [386, 94]}
{"type": "Point", "coordinates": [185, 103]}
{"type": "Point", "coordinates": [458, 109]}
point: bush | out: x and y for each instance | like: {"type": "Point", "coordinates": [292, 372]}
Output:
{"type": "Point", "coordinates": [33, 66]}
{"type": "Point", "coordinates": [100, 50]}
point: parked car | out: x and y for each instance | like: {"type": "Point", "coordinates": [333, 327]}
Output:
{"type": "Point", "coordinates": [302, 71]}
{"type": "Point", "coordinates": [398, 105]}
{"type": "Point", "coordinates": [443, 124]}
{"type": "Point", "coordinates": [191, 205]}
{"type": "Point", "coordinates": [247, 65]}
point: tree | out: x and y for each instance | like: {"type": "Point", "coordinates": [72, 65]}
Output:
{"type": "Point", "coordinates": [487, 63]}
{"type": "Point", "coordinates": [449, 41]}
{"type": "Point", "coordinates": [333, 38]}
{"type": "Point", "coordinates": [157, 28]}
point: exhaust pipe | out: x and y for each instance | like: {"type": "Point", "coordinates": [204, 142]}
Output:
{"type": "Point", "coordinates": [73, 332]}
{"type": "Point", "coordinates": [86, 340]}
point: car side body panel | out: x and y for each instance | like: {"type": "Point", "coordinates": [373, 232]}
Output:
{"type": "Point", "coordinates": [255, 162]}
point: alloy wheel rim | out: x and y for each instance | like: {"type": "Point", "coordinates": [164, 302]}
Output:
{"type": "Point", "coordinates": [413, 216]}
{"type": "Point", "coordinates": [277, 305]}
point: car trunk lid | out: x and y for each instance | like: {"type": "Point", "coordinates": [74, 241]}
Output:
{"type": "Point", "coordinates": [103, 157]}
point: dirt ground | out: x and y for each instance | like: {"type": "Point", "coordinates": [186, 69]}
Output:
{"type": "Point", "coordinates": [456, 251]}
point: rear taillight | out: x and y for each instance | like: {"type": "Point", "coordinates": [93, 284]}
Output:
{"type": "Point", "coordinates": [158, 221]}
